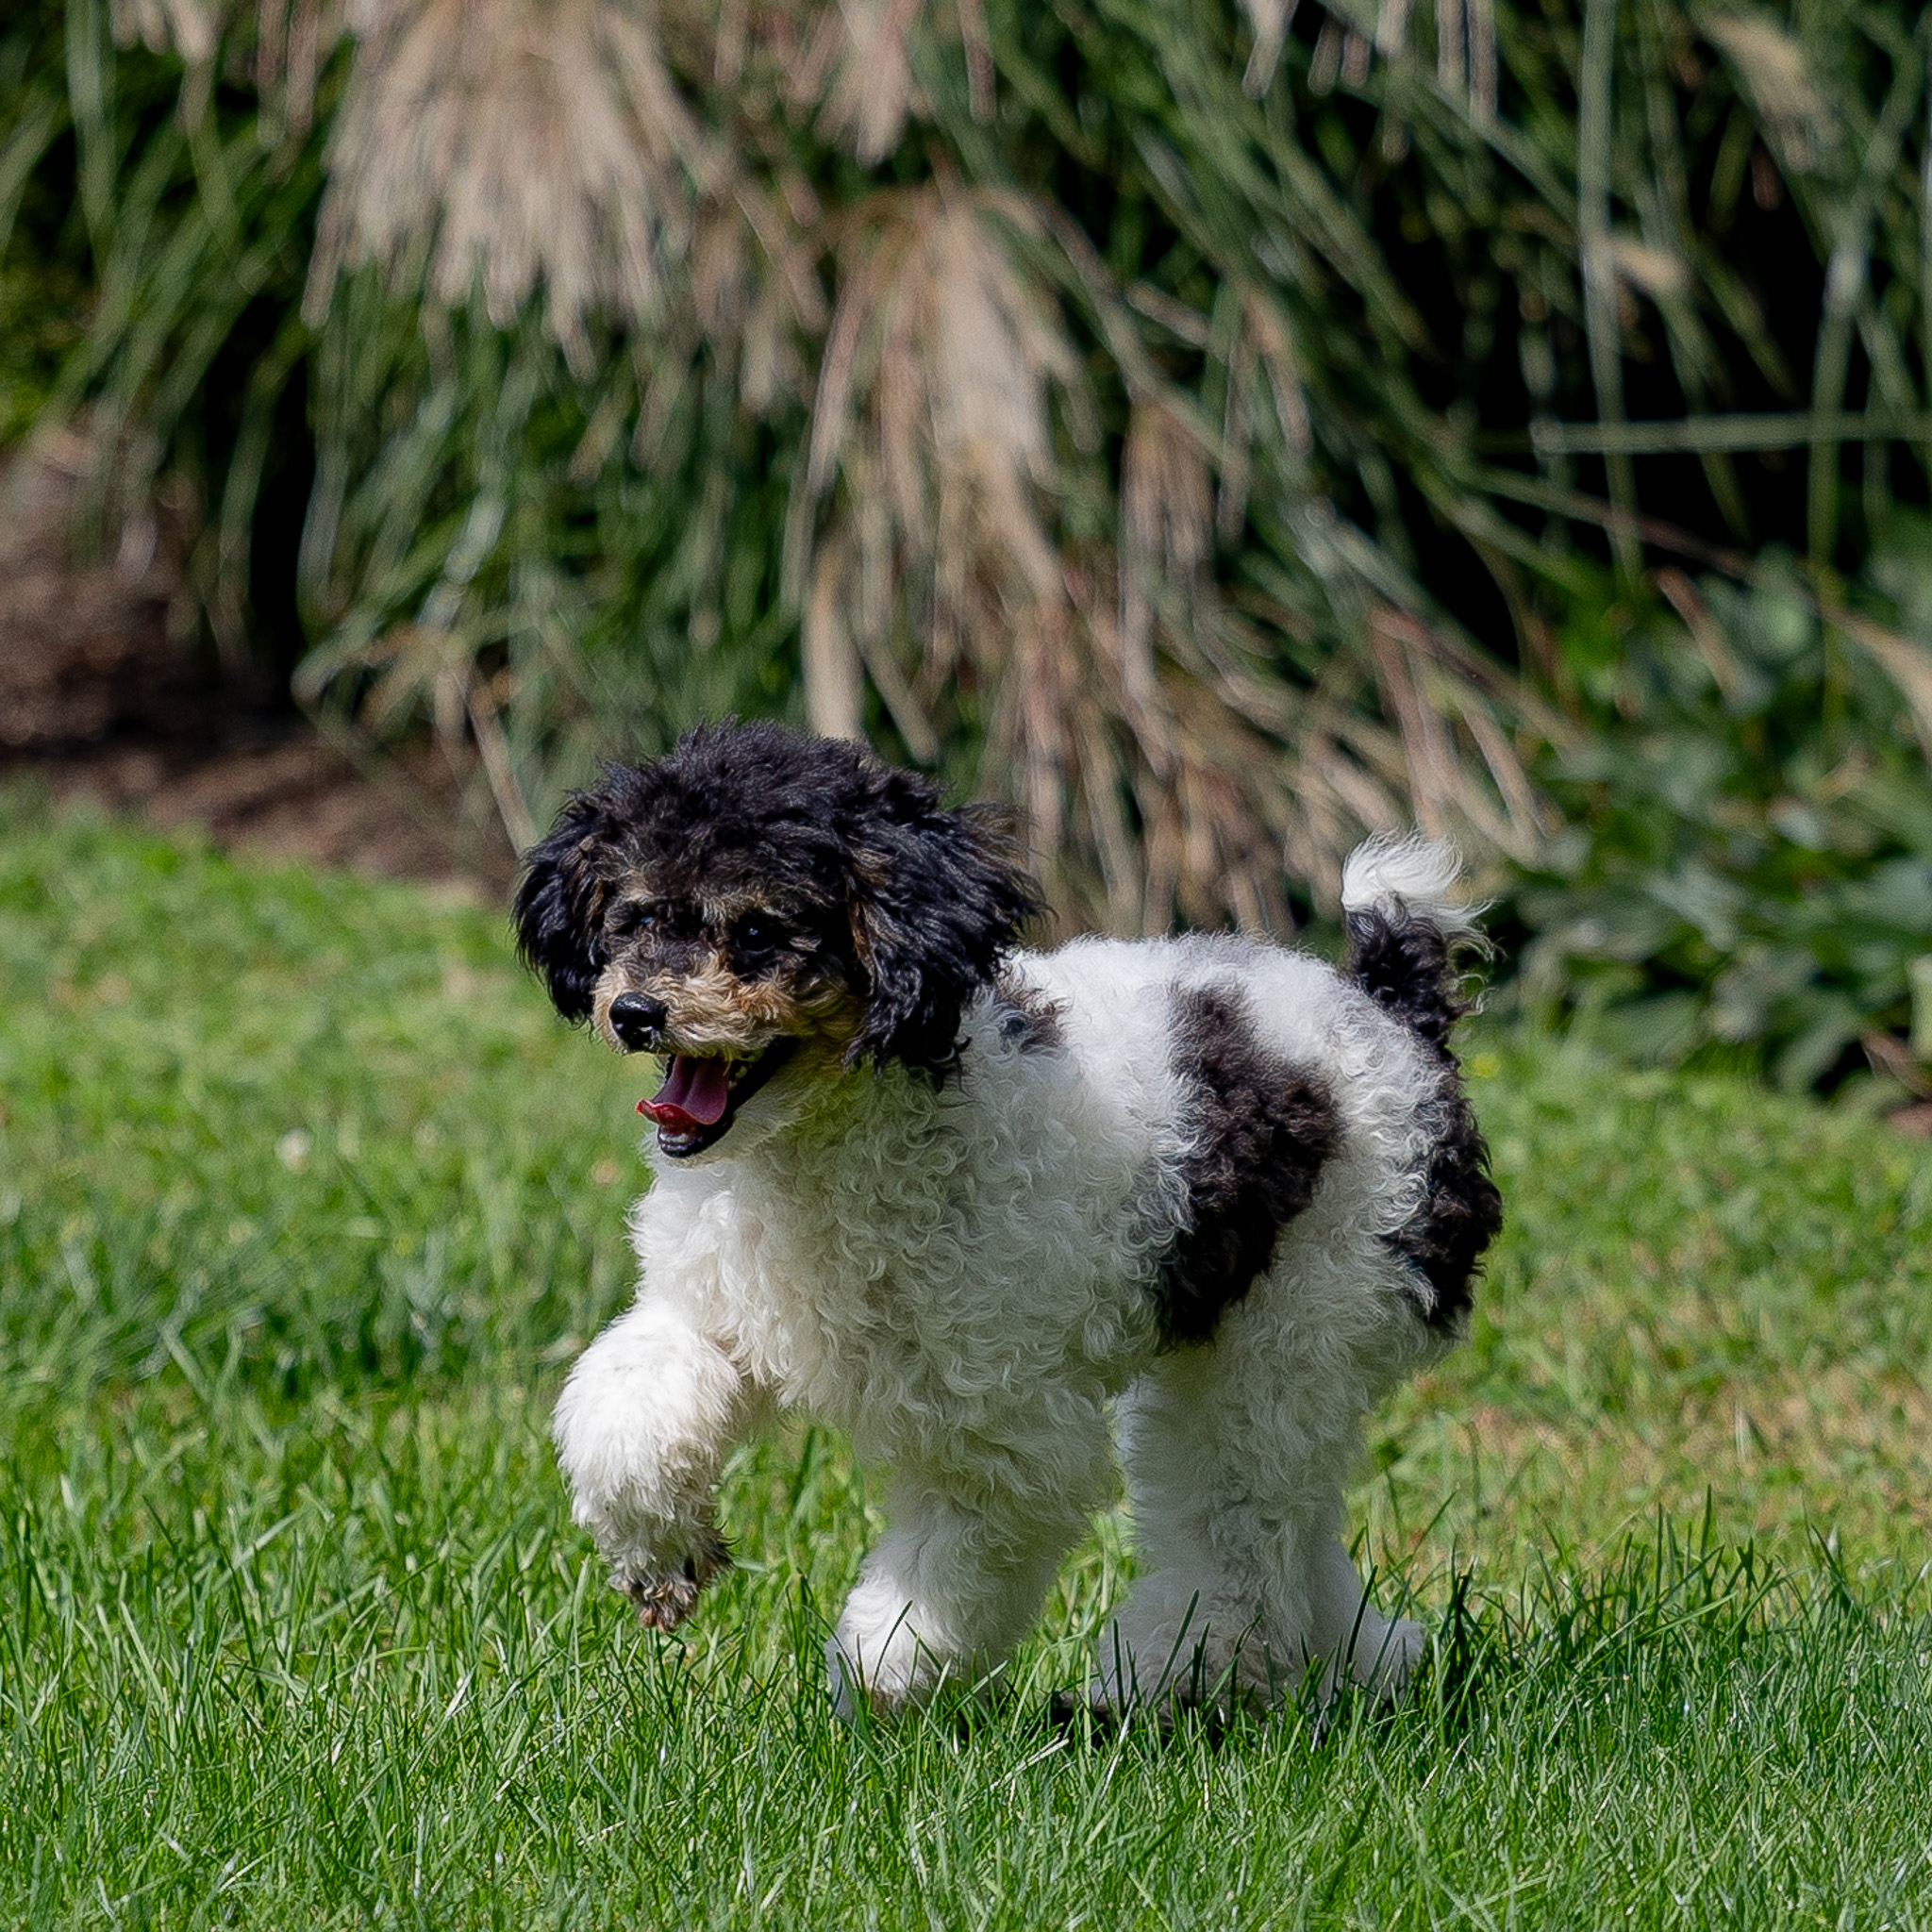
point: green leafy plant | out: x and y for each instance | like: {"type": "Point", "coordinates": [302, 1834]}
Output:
{"type": "Point", "coordinates": [1746, 864]}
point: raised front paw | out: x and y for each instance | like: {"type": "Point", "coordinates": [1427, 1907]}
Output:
{"type": "Point", "coordinates": [664, 1598]}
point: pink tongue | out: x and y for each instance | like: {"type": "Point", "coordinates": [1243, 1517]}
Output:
{"type": "Point", "coordinates": [696, 1094]}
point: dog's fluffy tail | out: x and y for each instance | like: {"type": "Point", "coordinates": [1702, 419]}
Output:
{"type": "Point", "coordinates": [1402, 924]}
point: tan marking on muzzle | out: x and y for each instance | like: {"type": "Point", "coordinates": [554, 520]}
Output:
{"type": "Point", "coordinates": [713, 1011]}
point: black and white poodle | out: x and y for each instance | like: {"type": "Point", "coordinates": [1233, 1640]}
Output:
{"type": "Point", "coordinates": [995, 1213]}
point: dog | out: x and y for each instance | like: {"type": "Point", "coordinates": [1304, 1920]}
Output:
{"type": "Point", "coordinates": [994, 1213]}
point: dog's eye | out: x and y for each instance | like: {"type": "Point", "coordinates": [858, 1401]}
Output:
{"type": "Point", "coordinates": [756, 935]}
{"type": "Point", "coordinates": [633, 917]}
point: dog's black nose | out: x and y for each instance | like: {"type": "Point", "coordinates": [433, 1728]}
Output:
{"type": "Point", "coordinates": [637, 1020]}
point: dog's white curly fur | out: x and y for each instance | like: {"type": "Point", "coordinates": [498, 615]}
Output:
{"type": "Point", "coordinates": [1406, 872]}
{"type": "Point", "coordinates": [958, 1278]}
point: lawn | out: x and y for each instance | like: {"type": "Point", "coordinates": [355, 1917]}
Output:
{"type": "Point", "coordinates": [306, 1199]}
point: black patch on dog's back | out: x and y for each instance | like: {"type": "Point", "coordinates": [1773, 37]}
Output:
{"type": "Point", "coordinates": [1462, 1212]}
{"type": "Point", "coordinates": [1261, 1129]}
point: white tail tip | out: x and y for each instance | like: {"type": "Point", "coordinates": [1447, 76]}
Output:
{"type": "Point", "coordinates": [1408, 876]}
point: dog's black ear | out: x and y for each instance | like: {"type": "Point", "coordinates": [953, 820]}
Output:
{"type": "Point", "coordinates": [938, 901]}
{"type": "Point", "coordinates": [559, 905]}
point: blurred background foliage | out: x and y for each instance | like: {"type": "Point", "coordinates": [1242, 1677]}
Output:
{"type": "Point", "coordinates": [1217, 429]}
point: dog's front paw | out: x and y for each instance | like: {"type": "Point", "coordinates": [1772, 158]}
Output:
{"type": "Point", "coordinates": [888, 1655]}
{"type": "Point", "coordinates": [665, 1597]}
{"type": "Point", "coordinates": [1386, 1664]}
{"type": "Point", "coordinates": [896, 1675]}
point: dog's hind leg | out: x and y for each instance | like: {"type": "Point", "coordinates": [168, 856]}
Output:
{"type": "Point", "coordinates": [1236, 1459]}
{"type": "Point", "coordinates": [949, 1590]}
{"type": "Point", "coordinates": [1354, 1637]}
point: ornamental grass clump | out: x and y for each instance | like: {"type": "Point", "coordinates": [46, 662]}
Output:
{"type": "Point", "coordinates": [1194, 423]}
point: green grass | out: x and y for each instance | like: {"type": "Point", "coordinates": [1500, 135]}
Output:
{"type": "Point", "coordinates": [305, 1199]}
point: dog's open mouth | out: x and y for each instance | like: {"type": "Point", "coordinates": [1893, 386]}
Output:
{"type": "Point", "coordinates": [702, 1094]}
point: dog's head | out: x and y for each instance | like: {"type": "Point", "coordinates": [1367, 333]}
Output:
{"type": "Point", "coordinates": [757, 900]}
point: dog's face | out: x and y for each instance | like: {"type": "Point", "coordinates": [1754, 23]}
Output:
{"type": "Point", "coordinates": [760, 906]}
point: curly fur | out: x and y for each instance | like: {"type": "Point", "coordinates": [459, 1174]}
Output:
{"type": "Point", "coordinates": [1173, 1198]}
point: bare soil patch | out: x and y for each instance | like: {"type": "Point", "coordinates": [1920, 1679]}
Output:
{"type": "Point", "coordinates": [108, 694]}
